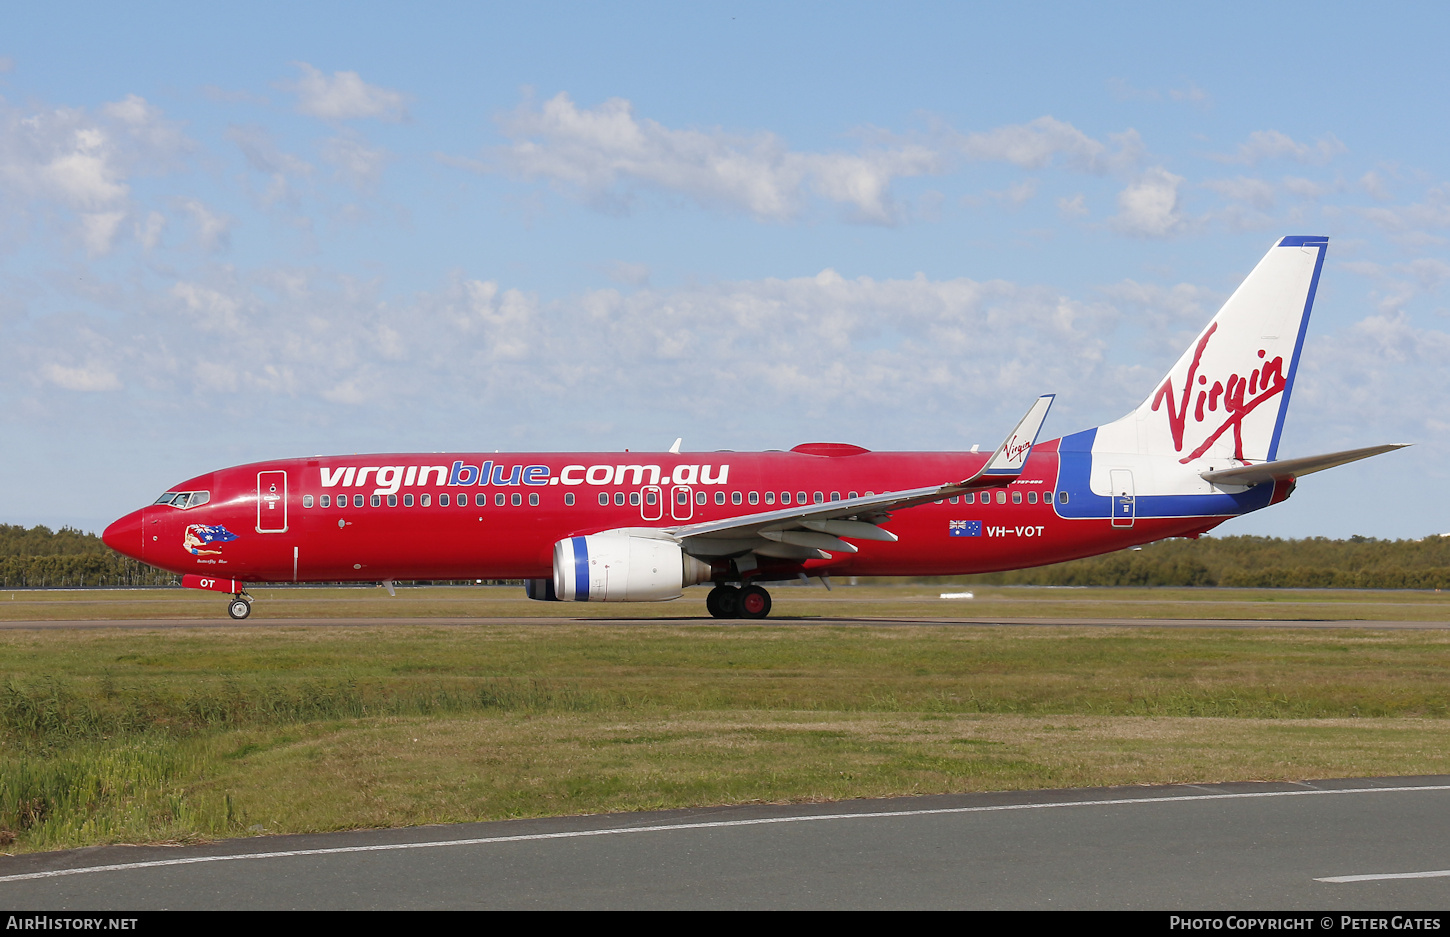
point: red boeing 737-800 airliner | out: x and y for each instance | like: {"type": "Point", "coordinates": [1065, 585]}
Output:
{"type": "Point", "coordinates": [609, 527]}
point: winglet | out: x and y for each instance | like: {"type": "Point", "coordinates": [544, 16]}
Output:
{"type": "Point", "coordinates": [1006, 463]}
{"type": "Point", "coordinates": [675, 449]}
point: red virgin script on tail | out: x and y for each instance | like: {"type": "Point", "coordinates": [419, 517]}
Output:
{"type": "Point", "coordinates": [1016, 451]}
{"type": "Point", "coordinates": [1238, 396]}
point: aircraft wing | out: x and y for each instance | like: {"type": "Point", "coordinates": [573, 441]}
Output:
{"type": "Point", "coordinates": [814, 531]}
{"type": "Point", "coordinates": [1293, 468]}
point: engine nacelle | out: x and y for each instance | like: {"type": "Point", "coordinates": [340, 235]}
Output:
{"type": "Point", "coordinates": [626, 565]}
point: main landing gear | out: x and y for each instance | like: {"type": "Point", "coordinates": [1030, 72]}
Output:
{"type": "Point", "coordinates": [240, 606]}
{"type": "Point", "coordinates": [734, 602]}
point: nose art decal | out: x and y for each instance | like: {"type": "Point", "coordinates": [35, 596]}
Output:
{"type": "Point", "coordinates": [199, 536]}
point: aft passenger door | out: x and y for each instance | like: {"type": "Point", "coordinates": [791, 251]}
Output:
{"type": "Point", "coordinates": [1122, 497]}
{"type": "Point", "coordinates": [271, 502]}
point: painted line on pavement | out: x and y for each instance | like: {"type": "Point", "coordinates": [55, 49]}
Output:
{"type": "Point", "coordinates": [709, 825]}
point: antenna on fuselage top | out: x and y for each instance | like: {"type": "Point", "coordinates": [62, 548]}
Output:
{"type": "Point", "coordinates": [675, 449]}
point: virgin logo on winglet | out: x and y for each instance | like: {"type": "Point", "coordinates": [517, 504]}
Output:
{"type": "Point", "coordinates": [1224, 403]}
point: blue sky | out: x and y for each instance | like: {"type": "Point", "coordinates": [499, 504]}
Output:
{"type": "Point", "coordinates": [268, 230]}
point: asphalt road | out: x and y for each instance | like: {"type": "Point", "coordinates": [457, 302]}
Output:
{"type": "Point", "coordinates": [221, 621]}
{"type": "Point", "coordinates": [1230, 847]}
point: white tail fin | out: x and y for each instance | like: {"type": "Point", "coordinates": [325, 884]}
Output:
{"type": "Point", "coordinates": [1226, 397]}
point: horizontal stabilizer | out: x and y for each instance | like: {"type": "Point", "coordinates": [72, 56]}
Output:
{"type": "Point", "coordinates": [1007, 461]}
{"type": "Point", "coordinates": [1292, 468]}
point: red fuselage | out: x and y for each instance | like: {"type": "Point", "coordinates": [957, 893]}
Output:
{"type": "Point", "coordinates": [471, 515]}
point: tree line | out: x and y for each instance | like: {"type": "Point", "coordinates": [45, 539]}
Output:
{"type": "Point", "coordinates": [38, 557]}
{"type": "Point", "coordinates": [1256, 562]}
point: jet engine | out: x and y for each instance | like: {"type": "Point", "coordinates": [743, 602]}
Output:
{"type": "Point", "coordinates": [626, 565]}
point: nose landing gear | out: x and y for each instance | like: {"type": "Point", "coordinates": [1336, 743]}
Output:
{"type": "Point", "coordinates": [734, 602]}
{"type": "Point", "coordinates": [240, 606]}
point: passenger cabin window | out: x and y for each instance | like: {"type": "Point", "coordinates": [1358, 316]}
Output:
{"type": "Point", "coordinates": [819, 498]}
{"type": "Point", "coordinates": [1031, 497]}
{"type": "Point", "coordinates": [604, 497]}
{"type": "Point", "coordinates": [835, 496]}
{"type": "Point", "coordinates": [633, 498]}
{"type": "Point", "coordinates": [1062, 497]}
{"type": "Point", "coordinates": [407, 501]}
{"type": "Point", "coordinates": [357, 501]}
{"type": "Point", "coordinates": [1016, 497]}
{"type": "Point", "coordinates": [392, 501]}
{"type": "Point", "coordinates": [569, 498]}
{"type": "Point", "coordinates": [517, 499]}
{"type": "Point", "coordinates": [651, 497]}
{"type": "Point", "coordinates": [785, 497]}
{"type": "Point", "coordinates": [619, 498]}
{"type": "Point", "coordinates": [682, 496]}
{"type": "Point", "coordinates": [307, 501]}
{"type": "Point", "coordinates": [534, 499]}
{"type": "Point", "coordinates": [853, 496]}
{"type": "Point", "coordinates": [327, 501]}
{"type": "Point", "coordinates": [498, 499]}
{"type": "Point", "coordinates": [480, 500]}
{"type": "Point", "coordinates": [755, 497]}
{"type": "Point", "coordinates": [719, 497]}
{"type": "Point", "coordinates": [425, 500]}
{"type": "Point", "coordinates": [443, 500]}
{"type": "Point", "coordinates": [800, 497]}
{"type": "Point", "coordinates": [736, 497]}
{"type": "Point", "coordinates": [1001, 497]}
{"type": "Point", "coordinates": [376, 501]}
{"type": "Point", "coordinates": [770, 497]}
{"type": "Point", "coordinates": [953, 499]}
{"type": "Point", "coordinates": [1047, 497]}
{"type": "Point", "coordinates": [701, 497]}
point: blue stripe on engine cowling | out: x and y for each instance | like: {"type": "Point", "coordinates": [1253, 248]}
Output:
{"type": "Point", "coordinates": [581, 570]}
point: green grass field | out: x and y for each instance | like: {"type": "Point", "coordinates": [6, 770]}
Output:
{"type": "Point", "coordinates": [184, 733]}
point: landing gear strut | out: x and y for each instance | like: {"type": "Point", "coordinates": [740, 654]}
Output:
{"type": "Point", "coordinates": [240, 606]}
{"type": "Point", "coordinates": [734, 602]}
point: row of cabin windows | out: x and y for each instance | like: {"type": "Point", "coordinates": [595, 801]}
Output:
{"type": "Point", "coordinates": [425, 500]}
{"type": "Point", "coordinates": [651, 496]}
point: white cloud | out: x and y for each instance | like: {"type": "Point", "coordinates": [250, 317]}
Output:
{"type": "Point", "coordinates": [98, 231]}
{"type": "Point", "coordinates": [356, 162]}
{"type": "Point", "coordinates": [1272, 144]}
{"type": "Point", "coordinates": [1433, 213]}
{"type": "Point", "coordinates": [1255, 192]}
{"type": "Point", "coordinates": [604, 152]}
{"type": "Point", "coordinates": [1075, 207]}
{"type": "Point", "coordinates": [1358, 380]}
{"type": "Point", "coordinates": [629, 274]}
{"type": "Point", "coordinates": [1375, 186]}
{"type": "Point", "coordinates": [1190, 93]}
{"type": "Point", "coordinates": [213, 230]}
{"type": "Point", "coordinates": [149, 233]}
{"type": "Point", "coordinates": [81, 163]}
{"type": "Point", "coordinates": [88, 377]}
{"type": "Point", "coordinates": [1149, 207]}
{"type": "Point", "coordinates": [1041, 142]}
{"type": "Point", "coordinates": [345, 96]}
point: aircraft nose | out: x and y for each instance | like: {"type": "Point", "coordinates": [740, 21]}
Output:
{"type": "Point", "coordinates": [125, 535]}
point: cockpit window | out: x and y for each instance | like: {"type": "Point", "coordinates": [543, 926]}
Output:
{"type": "Point", "coordinates": [184, 499]}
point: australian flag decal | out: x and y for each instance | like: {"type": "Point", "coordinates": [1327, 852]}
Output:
{"type": "Point", "coordinates": [964, 528]}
